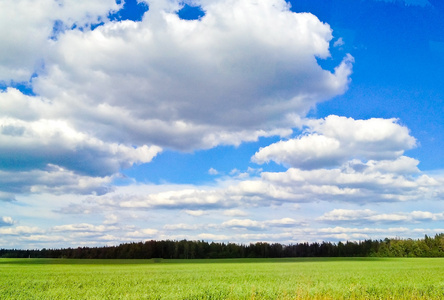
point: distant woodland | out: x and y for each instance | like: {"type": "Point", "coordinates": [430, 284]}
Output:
{"type": "Point", "coordinates": [426, 247]}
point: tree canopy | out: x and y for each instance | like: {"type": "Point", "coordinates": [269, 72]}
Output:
{"type": "Point", "coordinates": [167, 249]}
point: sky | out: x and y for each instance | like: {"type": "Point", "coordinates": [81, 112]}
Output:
{"type": "Point", "coordinates": [220, 120]}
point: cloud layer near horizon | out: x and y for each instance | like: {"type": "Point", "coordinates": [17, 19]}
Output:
{"type": "Point", "coordinates": [386, 179]}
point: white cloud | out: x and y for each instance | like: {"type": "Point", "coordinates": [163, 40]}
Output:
{"type": "Point", "coordinates": [244, 224]}
{"type": "Point", "coordinates": [143, 233]}
{"type": "Point", "coordinates": [84, 227]}
{"type": "Point", "coordinates": [112, 97]}
{"type": "Point", "coordinates": [188, 198]}
{"type": "Point", "coordinates": [369, 216]}
{"type": "Point", "coordinates": [283, 230]}
{"type": "Point", "coordinates": [298, 235]}
{"type": "Point", "coordinates": [42, 239]}
{"type": "Point", "coordinates": [230, 77]}
{"type": "Point", "coordinates": [339, 229]}
{"type": "Point", "coordinates": [195, 213]}
{"type": "Point", "coordinates": [259, 225]}
{"type": "Point", "coordinates": [235, 213]}
{"type": "Point", "coordinates": [7, 197]}
{"type": "Point", "coordinates": [111, 219]}
{"type": "Point", "coordinates": [334, 140]}
{"type": "Point", "coordinates": [213, 171]}
{"type": "Point", "coordinates": [214, 237]}
{"type": "Point", "coordinates": [42, 154]}
{"type": "Point", "coordinates": [182, 227]}
{"type": "Point", "coordinates": [346, 215]}
{"type": "Point", "coordinates": [33, 144]}
{"type": "Point", "coordinates": [27, 25]}
{"type": "Point", "coordinates": [6, 221]}
{"type": "Point", "coordinates": [353, 182]}
{"type": "Point", "coordinates": [20, 230]}
{"type": "Point", "coordinates": [53, 180]}
{"type": "Point", "coordinates": [284, 222]}
{"type": "Point", "coordinates": [339, 42]}
{"type": "Point", "coordinates": [402, 165]}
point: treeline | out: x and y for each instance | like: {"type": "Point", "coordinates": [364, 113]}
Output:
{"type": "Point", "coordinates": [427, 247]}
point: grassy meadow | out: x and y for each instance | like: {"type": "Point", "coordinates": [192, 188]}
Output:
{"type": "Point", "coordinates": [295, 278]}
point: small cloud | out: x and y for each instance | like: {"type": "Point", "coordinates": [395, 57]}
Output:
{"type": "Point", "coordinates": [235, 213]}
{"type": "Point", "coordinates": [234, 171]}
{"type": "Point", "coordinates": [7, 197]}
{"type": "Point", "coordinates": [6, 221]}
{"type": "Point", "coordinates": [75, 209]}
{"type": "Point", "coordinates": [83, 227]}
{"type": "Point", "coordinates": [254, 170]}
{"type": "Point", "coordinates": [214, 237]}
{"type": "Point", "coordinates": [195, 213]}
{"type": "Point", "coordinates": [111, 219]}
{"type": "Point", "coordinates": [20, 230]}
{"type": "Point", "coordinates": [346, 215]}
{"type": "Point", "coordinates": [143, 233]}
{"type": "Point", "coordinates": [237, 173]}
{"type": "Point", "coordinates": [284, 222]}
{"type": "Point", "coordinates": [243, 175]}
{"type": "Point", "coordinates": [244, 224]}
{"type": "Point", "coordinates": [295, 206]}
{"type": "Point", "coordinates": [339, 42]}
{"type": "Point", "coordinates": [259, 225]}
{"type": "Point", "coordinates": [213, 171]}
{"type": "Point", "coordinates": [181, 227]}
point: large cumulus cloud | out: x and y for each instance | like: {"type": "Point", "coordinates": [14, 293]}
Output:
{"type": "Point", "coordinates": [239, 71]}
{"type": "Point", "coordinates": [42, 153]}
{"type": "Point", "coordinates": [111, 96]}
{"type": "Point", "coordinates": [334, 140]}
{"type": "Point", "coordinates": [35, 144]}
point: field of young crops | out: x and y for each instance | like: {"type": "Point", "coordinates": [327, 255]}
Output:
{"type": "Point", "coordinates": [321, 278]}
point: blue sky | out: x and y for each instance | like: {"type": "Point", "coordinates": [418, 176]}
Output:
{"type": "Point", "coordinates": [220, 120]}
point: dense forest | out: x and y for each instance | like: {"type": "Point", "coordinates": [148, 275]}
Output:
{"type": "Point", "coordinates": [427, 247]}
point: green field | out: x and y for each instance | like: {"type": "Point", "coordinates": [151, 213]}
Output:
{"type": "Point", "coordinates": [310, 278]}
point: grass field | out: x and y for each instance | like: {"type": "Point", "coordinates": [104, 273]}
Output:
{"type": "Point", "coordinates": [316, 278]}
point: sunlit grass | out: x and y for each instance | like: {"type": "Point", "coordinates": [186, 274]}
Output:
{"type": "Point", "coordinates": [390, 278]}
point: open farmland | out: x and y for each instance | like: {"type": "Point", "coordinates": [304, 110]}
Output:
{"type": "Point", "coordinates": [320, 278]}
